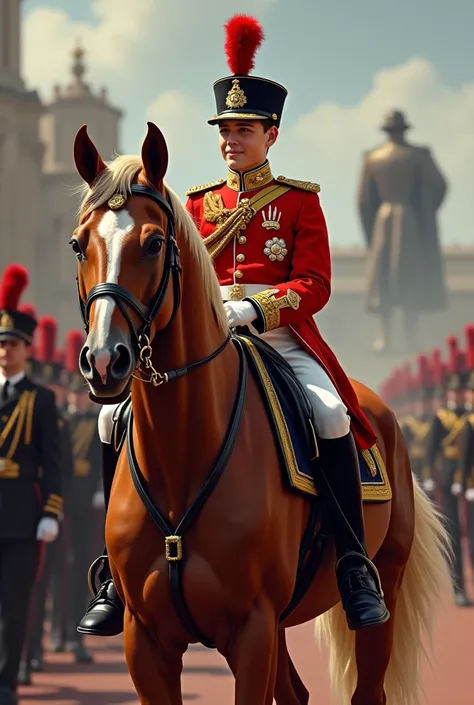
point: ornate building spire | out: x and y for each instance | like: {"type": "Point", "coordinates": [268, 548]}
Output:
{"type": "Point", "coordinates": [78, 86]}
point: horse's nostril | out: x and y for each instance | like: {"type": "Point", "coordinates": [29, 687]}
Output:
{"type": "Point", "coordinates": [84, 362]}
{"type": "Point", "coordinates": [121, 362]}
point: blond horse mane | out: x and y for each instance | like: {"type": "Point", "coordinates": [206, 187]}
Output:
{"type": "Point", "coordinates": [118, 178]}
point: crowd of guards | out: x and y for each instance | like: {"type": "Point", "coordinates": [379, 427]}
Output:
{"type": "Point", "coordinates": [434, 403]}
{"type": "Point", "coordinates": [51, 498]}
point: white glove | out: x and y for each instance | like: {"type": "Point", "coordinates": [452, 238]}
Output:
{"type": "Point", "coordinates": [428, 485]}
{"type": "Point", "coordinates": [470, 494]}
{"type": "Point", "coordinates": [98, 501]}
{"type": "Point", "coordinates": [456, 489]}
{"type": "Point", "coordinates": [240, 313]}
{"type": "Point", "coordinates": [47, 530]}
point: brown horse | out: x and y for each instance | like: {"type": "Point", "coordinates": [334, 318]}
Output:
{"type": "Point", "coordinates": [155, 320]}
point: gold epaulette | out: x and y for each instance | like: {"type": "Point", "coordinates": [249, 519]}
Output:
{"type": "Point", "coordinates": [304, 185]}
{"type": "Point", "coordinates": [447, 417]}
{"type": "Point", "coordinates": [471, 419]}
{"type": "Point", "coordinates": [204, 187]}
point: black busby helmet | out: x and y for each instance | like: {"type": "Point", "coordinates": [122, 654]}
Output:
{"type": "Point", "coordinates": [14, 323]}
{"type": "Point", "coordinates": [241, 96]}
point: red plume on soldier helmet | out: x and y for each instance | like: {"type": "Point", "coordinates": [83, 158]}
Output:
{"type": "Point", "coordinates": [75, 340]}
{"type": "Point", "coordinates": [14, 282]}
{"type": "Point", "coordinates": [29, 310]}
{"type": "Point", "coordinates": [244, 35]}
{"type": "Point", "coordinates": [469, 333]}
{"type": "Point", "coordinates": [453, 352]}
{"type": "Point", "coordinates": [48, 333]}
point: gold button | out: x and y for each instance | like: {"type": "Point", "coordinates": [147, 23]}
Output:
{"type": "Point", "coordinates": [242, 240]}
{"type": "Point", "coordinates": [238, 274]}
{"type": "Point", "coordinates": [241, 258]}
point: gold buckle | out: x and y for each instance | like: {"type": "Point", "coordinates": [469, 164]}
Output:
{"type": "Point", "coordinates": [173, 554]}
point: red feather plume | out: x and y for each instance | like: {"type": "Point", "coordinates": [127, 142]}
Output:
{"type": "Point", "coordinates": [453, 350]}
{"type": "Point", "coordinates": [469, 332]}
{"type": "Point", "coordinates": [48, 332]}
{"type": "Point", "coordinates": [60, 357]}
{"type": "Point", "coordinates": [29, 310]}
{"type": "Point", "coordinates": [14, 282]}
{"type": "Point", "coordinates": [75, 340]}
{"type": "Point", "coordinates": [436, 370]}
{"type": "Point", "coordinates": [244, 35]}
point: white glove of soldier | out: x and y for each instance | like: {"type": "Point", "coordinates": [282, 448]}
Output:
{"type": "Point", "coordinates": [456, 489]}
{"type": "Point", "coordinates": [240, 313]}
{"type": "Point", "coordinates": [98, 501]}
{"type": "Point", "coordinates": [428, 485]}
{"type": "Point", "coordinates": [47, 530]}
{"type": "Point", "coordinates": [470, 494]}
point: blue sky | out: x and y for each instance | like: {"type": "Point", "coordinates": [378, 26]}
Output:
{"type": "Point", "coordinates": [327, 54]}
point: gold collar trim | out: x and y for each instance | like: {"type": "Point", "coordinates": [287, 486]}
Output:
{"type": "Point", "coordinates": [249, 180]}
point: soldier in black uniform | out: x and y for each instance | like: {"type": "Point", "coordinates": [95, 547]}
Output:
{"type": "Point", "coordinates": [444, 444]}
{"type": "Point", "coordinates": [467, 440]}
{"type": "Point", "coordinates": [53, 375]}
{"type": "Point", "coordinates": [86, 483]}
{"type": "Point", "coordinates": [30, 483]}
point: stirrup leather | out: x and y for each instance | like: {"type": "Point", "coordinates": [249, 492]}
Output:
{"type": "Point", "coordinates": [370, 565]}
{"type": "Point", "coordinates": [94, 569]}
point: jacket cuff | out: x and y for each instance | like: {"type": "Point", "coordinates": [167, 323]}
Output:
{"type": "Point", "coordinates": [53, 507]}
{"type": "Point", "coordinates": [269, 307]}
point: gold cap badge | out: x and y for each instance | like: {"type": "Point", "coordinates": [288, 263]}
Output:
{"type": "Point", "coordinates": [6, 321]}
{"type": "Point", "coordinates": [116, 202]}
{"type": "Point", "coordinates": [235, 97]}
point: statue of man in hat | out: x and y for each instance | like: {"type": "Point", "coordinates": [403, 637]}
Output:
{"type": "Point", "coordinates": [400, 192]}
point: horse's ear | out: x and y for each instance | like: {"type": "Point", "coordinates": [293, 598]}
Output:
{"type": "Point", "coordinates": [154, 155]}
{"type": "Point", "coordinates": [87, 159]}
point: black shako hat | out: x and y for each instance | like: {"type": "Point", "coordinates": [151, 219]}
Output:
{"type": "Point", "coordinates": [240, 96]}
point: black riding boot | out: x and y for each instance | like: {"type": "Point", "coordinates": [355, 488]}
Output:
{"type": "Point", "coordinates": [357, 577]}
{"type": "Point", "coordinates": [104, 615]}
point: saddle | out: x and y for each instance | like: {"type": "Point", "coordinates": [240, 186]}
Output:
{"type": "Point", "coordinates": [289, 413]}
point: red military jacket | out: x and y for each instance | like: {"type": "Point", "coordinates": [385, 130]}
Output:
{"type": "Point", "coordinates": [280, 262]}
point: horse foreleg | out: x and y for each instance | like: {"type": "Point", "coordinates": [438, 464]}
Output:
{"type": "Point", "coordinates": [155, 671]}
{"type": "Point", "coordinates": [252, 656]}
{"type": "Point", "coordinates": [289, 688]}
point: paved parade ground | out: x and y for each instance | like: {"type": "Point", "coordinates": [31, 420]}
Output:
{"type": "Point", "coordinates": [207, 679]}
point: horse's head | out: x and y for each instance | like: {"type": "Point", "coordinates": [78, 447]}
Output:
{"type": "Point", "coordinates": [128, 260]}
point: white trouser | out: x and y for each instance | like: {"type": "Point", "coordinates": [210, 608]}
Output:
{"type": "Point", "coordinates": [330, 415]}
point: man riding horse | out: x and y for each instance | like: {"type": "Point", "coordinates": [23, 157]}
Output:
{"type": "Point", "coordinates": [269, 242]}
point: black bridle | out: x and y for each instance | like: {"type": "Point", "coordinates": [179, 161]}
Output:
{"type": "Point", "coordinates": [125, 300]}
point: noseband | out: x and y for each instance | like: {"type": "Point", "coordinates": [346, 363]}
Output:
{"type": "Point", "coordinates": [125, 300]}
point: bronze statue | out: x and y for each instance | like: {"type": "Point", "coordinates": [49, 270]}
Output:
{"type": "Point", "coordinates": [400, 192]}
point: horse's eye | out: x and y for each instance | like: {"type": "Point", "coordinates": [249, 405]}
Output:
{"type": "Point", "coordinates": [76, 248]}
{"type": "Point", "coordinates": [153, 247]}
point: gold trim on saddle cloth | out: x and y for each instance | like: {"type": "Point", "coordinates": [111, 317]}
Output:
{"type": "Point", "coordinates": [378, 490]}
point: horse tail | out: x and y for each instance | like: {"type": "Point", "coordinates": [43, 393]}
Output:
{"type": "Point", "coordinates": [426, 581]}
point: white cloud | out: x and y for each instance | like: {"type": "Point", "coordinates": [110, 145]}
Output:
{"type": "Point", "coordinates": [123, 45]}
{"type": "Point", "coordinates": [144, 56]}
{"type": "Point", "coordinates": [326, 144]}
